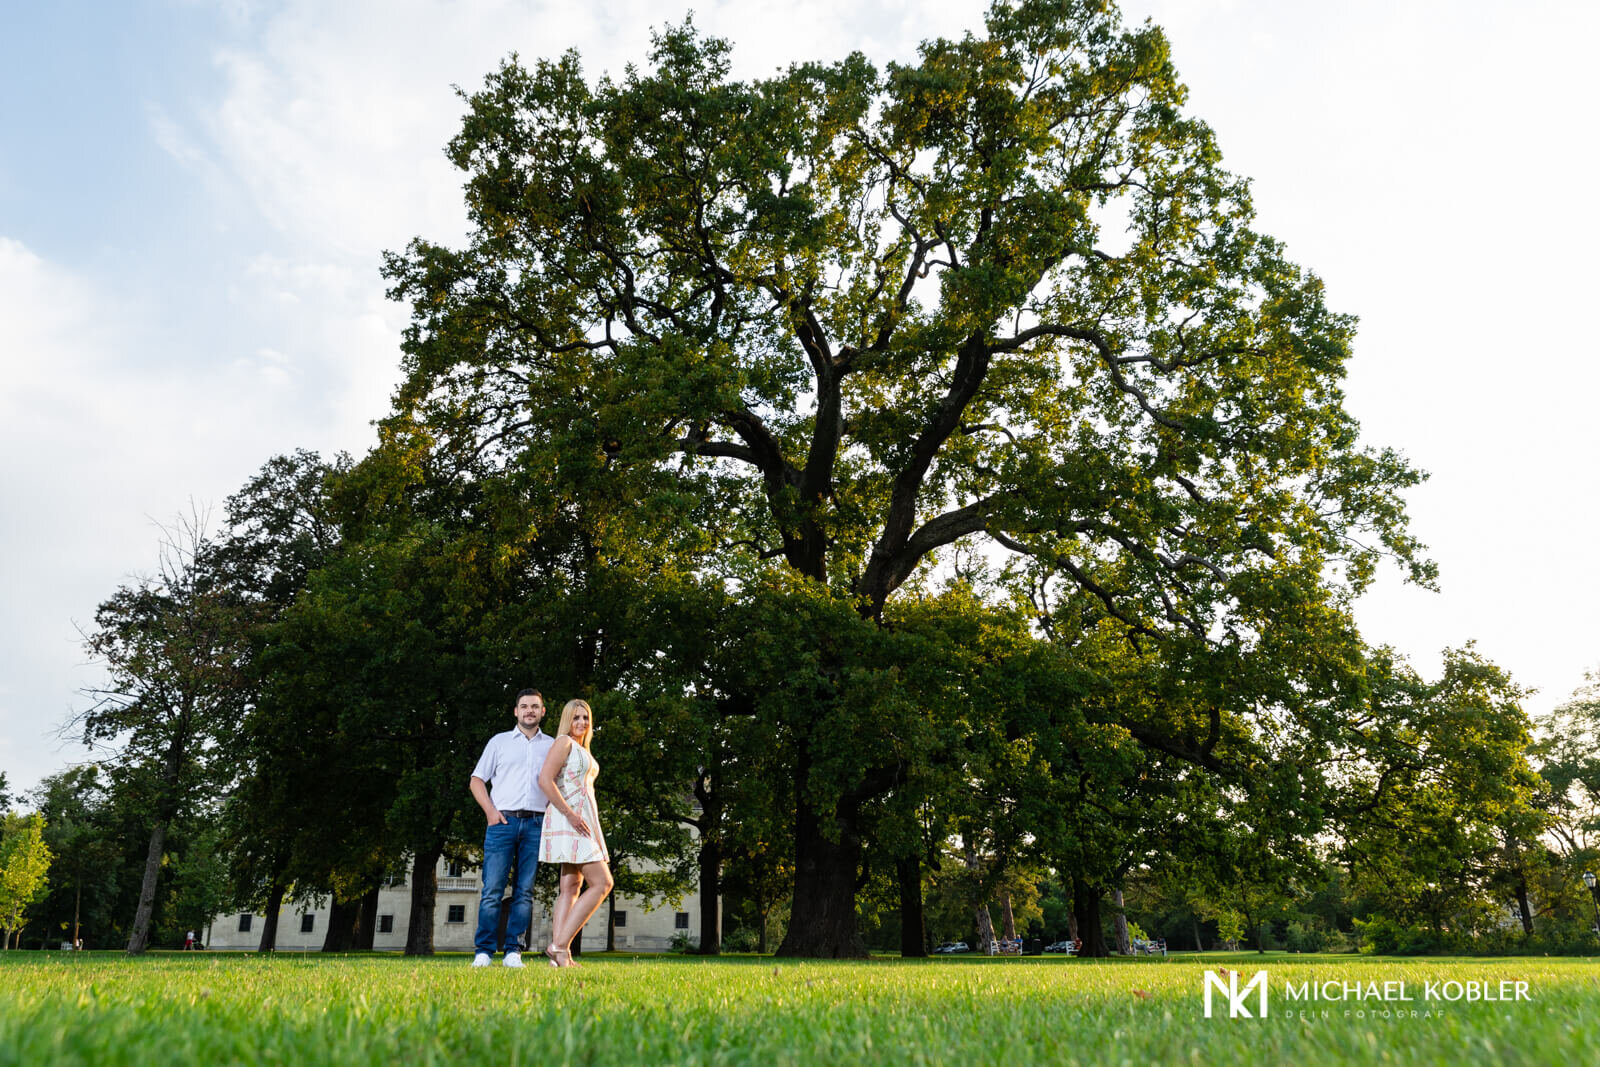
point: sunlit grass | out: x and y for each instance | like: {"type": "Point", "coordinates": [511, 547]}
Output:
{"type": "Point", "coordinates": [378, 1009]}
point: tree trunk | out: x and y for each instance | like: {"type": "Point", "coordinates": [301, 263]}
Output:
{"type": "Point", "coordinates": [1086, 908]}
{"type": "Point", "coordinates": [342, 918]}
{"type": "Point", "coordinates": [269, 926]}
{"type": "Point", "coordinates": [140, 939]}
{"type": "Point", "coordinates": [822, 921]}
{"type": "Point", "coordinates": [424, 895]}
{"type": "Point", "coordinates": [913, 927]}
{"type": "Point", "coordinates": [1008, 921]}
{"type": "Point", "coordinates": [166, 811]}
{"type": "Point", "coordinates": [1072, 925]}
{"type": "Point", "coordinates": [710, 892]}
{"type": "Point", "coordinates": [1198, 947]}
{"type": "Point", "coordinates": [367, 921]}
{"type": "Point", "coordinates": [1119, 926]}
{"type": "Point", "coordinates": [1522, 906]}
{"type": "Point", "coordinates": [985, 925]}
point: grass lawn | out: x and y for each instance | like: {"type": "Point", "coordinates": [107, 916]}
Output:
{"type": "Point", "coordinates": [175, 1008]}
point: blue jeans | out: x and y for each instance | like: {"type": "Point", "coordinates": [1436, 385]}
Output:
{"type": "Point", "coordinates": [513, 842]}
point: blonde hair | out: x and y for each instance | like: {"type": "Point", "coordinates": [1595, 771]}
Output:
{"type": "Point", "coordinates": [570, 709]}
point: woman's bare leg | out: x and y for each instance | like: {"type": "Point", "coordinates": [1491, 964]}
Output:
{"type": "Point", "coordinates": [597, 883]}
{"type": "Point", "coordinates": [570, 885]}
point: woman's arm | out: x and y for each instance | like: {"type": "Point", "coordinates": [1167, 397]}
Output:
{"type": "Point", "coordinates": [554, 760]}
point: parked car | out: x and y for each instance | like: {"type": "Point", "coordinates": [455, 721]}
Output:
{"type": "Point", "coordinates": [1069, 947]}
{"type": "Point", "coordinates": [952, 946]}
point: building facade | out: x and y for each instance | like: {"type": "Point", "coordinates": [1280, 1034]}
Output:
{"type": "Point", "coordinates": [302, 928]}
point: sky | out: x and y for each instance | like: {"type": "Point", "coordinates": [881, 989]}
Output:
{"type": "Point", "coordinates": [195, 197]}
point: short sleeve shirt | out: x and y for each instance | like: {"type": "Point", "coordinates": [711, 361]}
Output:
{"type": "Point", "coordinates": [511, 763]}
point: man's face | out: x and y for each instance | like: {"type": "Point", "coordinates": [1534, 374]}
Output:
{"type": "Point", "coordinates": [529, 711]}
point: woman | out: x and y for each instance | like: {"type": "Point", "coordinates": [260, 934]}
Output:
{"type": "Point", "coordinates": [572, 834]}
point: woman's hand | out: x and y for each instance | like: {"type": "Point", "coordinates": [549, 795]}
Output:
{"type": "Point", "coordinates": [578, 824]}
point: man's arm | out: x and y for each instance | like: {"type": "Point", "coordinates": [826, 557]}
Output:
{"type": "Point", "coordinates": [480, 793]}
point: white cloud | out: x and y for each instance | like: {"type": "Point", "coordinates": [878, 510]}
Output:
{"type": "Point", "coordinates": [112, 418]}
{"type": "Point", "coordinates": [1426, 159]}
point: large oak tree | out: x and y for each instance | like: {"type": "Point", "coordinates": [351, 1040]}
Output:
{"type": "Point", "coordinates": [843, 321]}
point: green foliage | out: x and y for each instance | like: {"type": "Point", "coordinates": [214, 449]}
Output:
{"type": "Point", "coordinates": [741, 939]}
{"type": "Point", "coordinates": [89, 860]}
{"type": "Point", "coordinates": [1567, 754]}
{"type": "Point", "coordinates": [810, 335]}
{"type": "Point", "coordinates": [176, 647]}
{"type": "Point", "coordinates": [1447, 779]}
{"type": "Point", "coordinates": [199, 881]}
{"type": "Point", "coordinates": [24, 869]}
{"type": "Point", "coordinates": [1230, 925]}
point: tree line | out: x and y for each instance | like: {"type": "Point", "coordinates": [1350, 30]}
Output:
{"type": "Point", "coordinates": [937, 485]}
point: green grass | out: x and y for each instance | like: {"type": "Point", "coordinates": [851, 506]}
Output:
{"type": "Point", "coordinates": [175, 1008]}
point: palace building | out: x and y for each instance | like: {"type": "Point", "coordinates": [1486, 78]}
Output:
{"type": "Point", "coordinates": [302, 928]}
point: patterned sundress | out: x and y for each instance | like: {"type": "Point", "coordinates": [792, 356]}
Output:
{"type": "Point", "coordinates": [559, 842]}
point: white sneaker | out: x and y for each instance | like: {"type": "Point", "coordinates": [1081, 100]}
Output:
{"type": "Point", "coordinates": [513, 959]}
{"type": "Point", "coordinates": [481, 960]}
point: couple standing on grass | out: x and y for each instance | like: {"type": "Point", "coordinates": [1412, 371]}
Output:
{"type": "Point", "coordinates": [537, 793]}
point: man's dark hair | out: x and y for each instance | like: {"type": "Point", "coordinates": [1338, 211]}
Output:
{"type": "Point", "coordinates": [527, 693]}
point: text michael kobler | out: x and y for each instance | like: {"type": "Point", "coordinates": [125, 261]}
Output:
{"type": "Point", "coordinates": [1250, 1000]}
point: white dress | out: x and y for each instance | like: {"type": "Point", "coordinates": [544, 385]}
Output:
{"type": "Point", "coordinates": [559, 842]}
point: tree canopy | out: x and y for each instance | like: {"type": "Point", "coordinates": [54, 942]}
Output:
{"type": "Point", "coordinates": [836, 327]}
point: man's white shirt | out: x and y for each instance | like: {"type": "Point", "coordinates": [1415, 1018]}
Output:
{"type": "Point", "coordinates": [510, 764]}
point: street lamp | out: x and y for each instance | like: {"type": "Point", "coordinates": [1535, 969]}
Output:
{"type": "Point", "coordinates": [1594, 898]}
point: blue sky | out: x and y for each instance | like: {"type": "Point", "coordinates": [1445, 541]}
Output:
{"type": "Point", "coordinates": [194, 198]}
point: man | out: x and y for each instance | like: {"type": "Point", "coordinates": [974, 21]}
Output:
{"type": "Point", "coordinates": [514, 807]}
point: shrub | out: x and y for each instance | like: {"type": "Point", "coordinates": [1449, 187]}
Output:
{"type": "Point", "coordinates": [742, 939]}
{"type": "Point", "coordinates": [1300, 938]}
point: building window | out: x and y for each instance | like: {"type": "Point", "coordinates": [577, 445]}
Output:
{"type": "Point", "coordinates": [244, 923]}
{"type": "Point", "coordinates": [680, 920]}
{"type": "Point", "coordinates": [386, 924]}
{"type": "Point", "coordinates": [458, 913]}
{"type": "Point", "coordinates": [454, 868]}
{"type": "Point", "coordinates": [619, 919]}
{"type": "Point", "coordinates": [308, 922]}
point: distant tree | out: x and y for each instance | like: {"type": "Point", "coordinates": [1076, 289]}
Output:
{"type": "Point", "coordinates": [1566, 751]}
{"type": "Point", "coordinates": [84, 873]}
{"type": "Point", "coordinates": [174, 645]}
{"type": "Point", "coordinates": [5, 793]}
{"type": "Point", "coordinates": [281, 526]}
{"type": "Point", "coordinates": [24, 870]}
{"type": "Point", "coordinates": [200, 878]}
{"type": "Point", "coordinates": [1444, 776]}
{"type": "Point", "coordinates": [1230, 927]}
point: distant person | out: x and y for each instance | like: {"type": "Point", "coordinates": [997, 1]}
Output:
{"type": "Point", "coordinates": [505, 783]}
{"type": "Point", "coordinates": [572, 834]}
{"type": "Point", "coordinates": [188, 942]}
